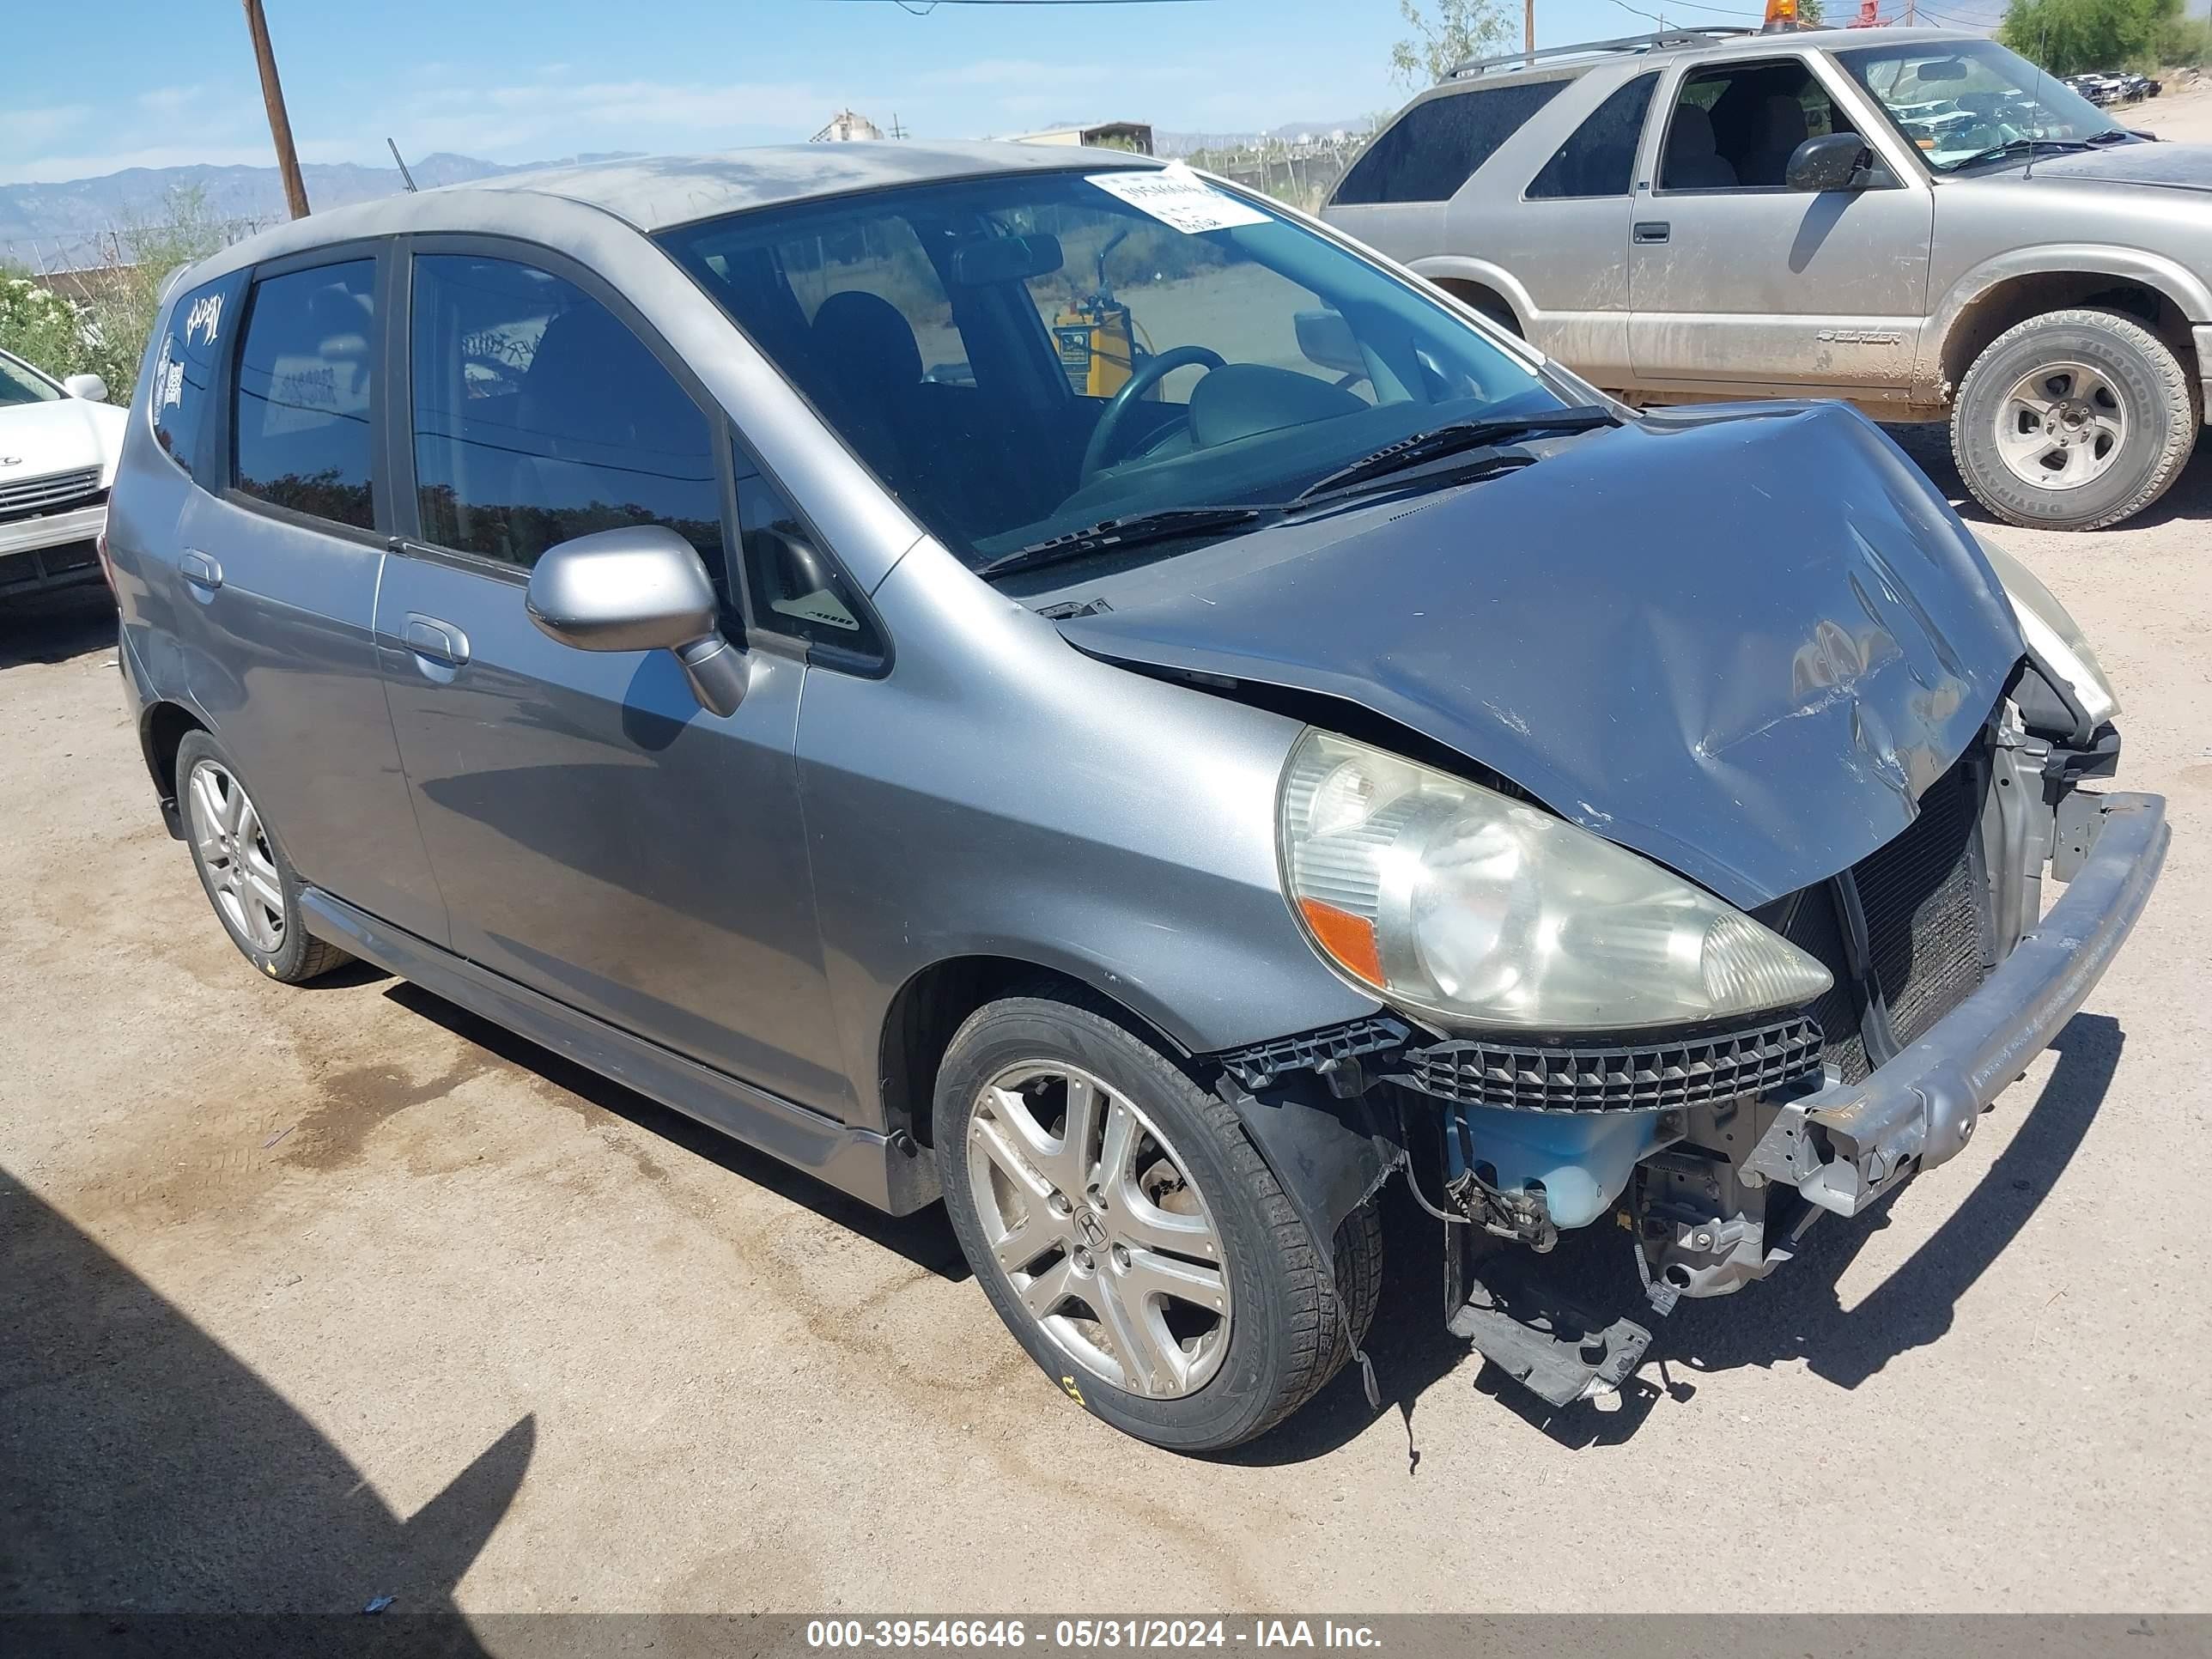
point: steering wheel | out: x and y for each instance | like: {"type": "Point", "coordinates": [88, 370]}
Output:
{"type": "Point", "coordinates": [1106, 436]}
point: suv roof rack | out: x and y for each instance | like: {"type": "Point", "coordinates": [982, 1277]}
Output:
{"type": "Point", "coordinates": [1684, 37]}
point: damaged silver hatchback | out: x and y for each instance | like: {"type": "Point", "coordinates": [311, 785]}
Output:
{"type": "Point", "coordinates": [1030, 676]}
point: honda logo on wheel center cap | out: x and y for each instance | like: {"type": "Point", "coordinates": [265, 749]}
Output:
{"type": "Point", "coordinates": [1093, 1231]}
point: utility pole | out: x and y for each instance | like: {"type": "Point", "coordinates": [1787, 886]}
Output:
{"type": "Point", "coordinates": [280, 124]}
{"type": "Point", "coordinates": [1528, 28]}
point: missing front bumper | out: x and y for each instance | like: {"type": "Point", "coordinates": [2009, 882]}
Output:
{"type": "Point", "coordinates": [1845, 1146]}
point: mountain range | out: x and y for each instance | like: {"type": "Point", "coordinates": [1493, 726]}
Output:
{"type": "Point", "coordinates": [54, 227]}
{"type": "Point", "coordinates": [60, 226]}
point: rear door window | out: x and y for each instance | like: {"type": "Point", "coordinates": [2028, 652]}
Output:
{"type": "Point", "coordinates": [301, 433]}
{"type": "Point", "coordinates": [538, 415]}
{"type": "Point", "coordinates": [1435, 146]}
{"type": "Point", "coordinates": [1599, 157]}
{"type": "Point", "coordinates": [201, 326]}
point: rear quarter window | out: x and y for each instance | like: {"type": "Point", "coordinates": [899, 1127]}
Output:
{"type": "Point", "coordinates": [1435, 146]}
{"type": "Point", "coordinates": [1599, 157]}
{"type": "Point", "coordinates": [197, 333]}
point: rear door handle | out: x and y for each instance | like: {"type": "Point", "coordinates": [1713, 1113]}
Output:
{"type": "Point", "coordinates": [437, 641]}
{"type": "Point", "coordinates": [201, 571]}
{"type": "Point", "coordinates": [1652, 230]}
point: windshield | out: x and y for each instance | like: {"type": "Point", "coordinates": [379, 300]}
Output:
{"type": "Point", "coordinates": [21, 384]}
{"type": "Point", "coordinates": [1028, 353]}
{"type": "Point", "coordinates": [1957, 101]}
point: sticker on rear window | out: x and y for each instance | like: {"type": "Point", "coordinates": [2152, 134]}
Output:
{"type": "Point", "coordinates": [1176, 196]}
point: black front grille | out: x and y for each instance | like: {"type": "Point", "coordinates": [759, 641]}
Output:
{"type": "Point", "coordinates": [1927, 914]}
{"type": "Point", "coordinates": [1925, 897]}
{"type": "Point", "coordinates": [49, 567]}
{"type": "Point", "coordinates": [1686, 1072]}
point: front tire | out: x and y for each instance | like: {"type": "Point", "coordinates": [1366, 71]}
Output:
{"type": "Point", "coordinates": [2074, 420]}
{"type": "Point", "coordinates": [1130, 1234]}
{"type": "Point", "coordinates": [252, 885]}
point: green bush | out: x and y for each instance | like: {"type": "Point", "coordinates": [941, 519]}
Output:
{"type": "Point", "coordinates": [104, 332]}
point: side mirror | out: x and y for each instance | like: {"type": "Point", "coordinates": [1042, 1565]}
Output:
{"type": "Point", "coordinates": [640, 587]}
{"type": "Point", "coordinates": [91, 387]}
{"type": "Point", "coordinates": [1834, 160]}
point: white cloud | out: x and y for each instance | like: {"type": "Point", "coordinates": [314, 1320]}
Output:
{"type": "Point", "coordinates": [29, 129]}
{"type": "Point", "coordinates": [170, 100]}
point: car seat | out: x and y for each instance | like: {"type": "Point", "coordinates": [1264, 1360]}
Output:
{"type": "Point", "coordinates": [1692, 161]}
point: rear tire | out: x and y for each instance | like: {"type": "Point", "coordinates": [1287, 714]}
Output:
{"type": "Point", "coordinates": [1280, 1338]}
{"type": "Point", "coordinates": [2074, 420]}
{"type": "Point", "coordinates": [250, 884]}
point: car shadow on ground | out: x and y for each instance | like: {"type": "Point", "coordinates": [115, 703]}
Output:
{"type": "Point", "coordinates": [145, 1470]}
{"type": "Point", "coordinates": [925, 1238]}
{"type": "Point", "coordinates": [54, 627]}
{"type": "Point", "coordinates": [1928, 444]}
{"type": "Point", "coordinates": [1797, 1314]}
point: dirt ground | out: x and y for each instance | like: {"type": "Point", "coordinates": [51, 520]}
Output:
{"type": "Point", "coordinates": [310, 1296]}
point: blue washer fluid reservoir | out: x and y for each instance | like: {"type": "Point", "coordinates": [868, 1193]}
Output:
{"type": "Point", "coordinates": [1582, 1159]}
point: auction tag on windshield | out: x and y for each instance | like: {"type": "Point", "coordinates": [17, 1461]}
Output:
{"type": "Point", "coordinates": [1176, 195]}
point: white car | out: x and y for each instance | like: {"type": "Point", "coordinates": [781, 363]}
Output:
{"type": "Point", "coordinates": [59, 441]}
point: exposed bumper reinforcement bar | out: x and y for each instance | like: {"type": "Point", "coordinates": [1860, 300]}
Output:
{"type": "Point", "coordinates": [1847, 1145]}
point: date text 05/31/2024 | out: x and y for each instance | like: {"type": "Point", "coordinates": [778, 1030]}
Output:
{"type": "Point", "coordinates": [832, 1634]}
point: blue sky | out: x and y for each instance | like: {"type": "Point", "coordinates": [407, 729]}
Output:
{"type": "Point", "coordinates": [171, 82]}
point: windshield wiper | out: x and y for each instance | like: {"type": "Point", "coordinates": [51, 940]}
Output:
{"type": "Point", "coordinates": [2019, 146]}
{"type": "Point", "coordinates": [2109, 136]}
{"type": "Point", "coordinates": [1165, 523]}
{"type": "Point", "coordinates": [1450, 439]}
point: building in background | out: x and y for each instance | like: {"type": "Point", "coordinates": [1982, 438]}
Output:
{"type": "Point", "coordinates": [1112, 135]}
{"type": "Point", "coordinates": [844, 127]}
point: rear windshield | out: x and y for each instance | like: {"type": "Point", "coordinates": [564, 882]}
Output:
{"type": "Point", "coordinates": [1028, 353]}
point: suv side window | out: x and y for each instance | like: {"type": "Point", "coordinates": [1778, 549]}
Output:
{"type": "Point", "coordinates": [201, 325]}
{"type": "Point", "coordinates": [1437, 145]}
{"type": "Point", "coordinates": [797, 589]}
{"type": "Point", "coordinates": [539, 416]}
{"type": "Point", "coordinates": [1599, 157]}
{"type": "Point", "coordinates": [300, 433]}
{"type": "Point", "coordinates": [1735, 126]}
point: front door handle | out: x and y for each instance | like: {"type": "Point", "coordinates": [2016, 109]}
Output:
{"type": "Point", "coordinates": [1652, 230]}
{"type": "Point", "coordinates": [436, 641]}
{"type": "Point", "coordinates": [201, 571]}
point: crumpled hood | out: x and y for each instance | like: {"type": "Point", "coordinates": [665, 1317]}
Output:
{"type": "Point", "coordinates": [36, 438]}
{"type": "Point", "coordinates": [1742, 642]}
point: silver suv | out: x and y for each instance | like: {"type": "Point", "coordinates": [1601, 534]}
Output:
{"type": "Point", "coordinates": [1915, 220]}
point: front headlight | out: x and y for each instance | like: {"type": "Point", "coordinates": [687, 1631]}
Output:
{"type": "Point", "coordinates": [1452, 900]}
{"type": "Point", "coordinates": [2053, 635]}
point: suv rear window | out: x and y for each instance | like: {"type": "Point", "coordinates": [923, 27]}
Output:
{"type": "Point", "coordinates": [1435, 146]}
{"type": "Point", "coordinates": [1599, 158]}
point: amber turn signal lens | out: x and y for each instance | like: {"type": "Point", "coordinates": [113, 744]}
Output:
{"type": "Point", "coordinates": [1349, 938]}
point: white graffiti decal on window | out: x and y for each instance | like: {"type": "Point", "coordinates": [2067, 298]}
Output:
{"type": "Point", "coordinates": [168, 378]}
{"type": "Point", "coordinates": [206, 313]}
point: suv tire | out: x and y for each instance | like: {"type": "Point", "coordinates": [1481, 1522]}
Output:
{"type": "Point", "coordinates": [2093, 370]}
{"type": "Point", "coordinates": [252, 885]}
{"type": "Point", "coordinates": [1284, 1335]}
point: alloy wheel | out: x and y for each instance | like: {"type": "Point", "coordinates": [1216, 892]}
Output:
{"type": "Point", "coordinates": [234, 849]}
{"type": "Point", "coordinates": [2062, 426]}
{"type": "Point", "coordinates": [1107, 1241]}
